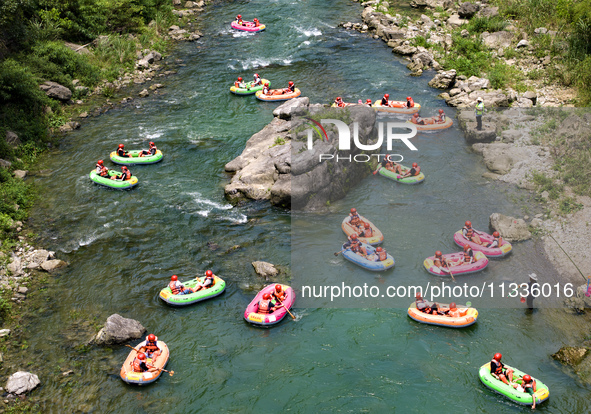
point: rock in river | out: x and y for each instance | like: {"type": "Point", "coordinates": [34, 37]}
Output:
{"type": "Point", "coordinates": [118, 329]}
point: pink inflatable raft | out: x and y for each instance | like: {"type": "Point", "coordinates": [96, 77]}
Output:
{"type": "Point", "coordinates": [251, 315]}
{"type": "Point", "coordinates": [248, 27]}
{"type": "Point", "coordinates": [480, 262]}
{"type": "Point", "coordinates": [503, 250]}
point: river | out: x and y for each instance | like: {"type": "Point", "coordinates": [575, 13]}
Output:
{"type": "Point", "coordinates": [122, 247]}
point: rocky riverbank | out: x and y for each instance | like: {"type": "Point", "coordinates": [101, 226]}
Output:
{"type": "Point", "coordinates": [277, 165]}
{"type": "Point", "coordinates": [428, 43]}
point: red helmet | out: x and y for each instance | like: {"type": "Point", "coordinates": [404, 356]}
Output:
{"type": "Point", "coordinates": [441, 111]}
{"type": "Point", "coordinates": [466, 247]}
{"type": "Point", "coordinates": [408, 98]}
{"type": "Point", "coordinates": [415, 165]}
{"type": "Point", "coordinates": [124, 168]}
{"type": "Point", "coordinates": [278, 287]}
{"type": "Point", "coordinates": [387, 96]}
{"type": "Point", "coordinates": [368, 101]}
{"type": "Point", "coordinates": [255, 19]}
{"type": "Point", "coordinates": [353, 237]}
{"type": "Point", "coordinates": [418, 295]}
{"type": "Point", "coordinates": [468, 223]}
{"type": "Point", "coordinates": [496, 234]}
{"type": "Point", "coordinates": [527, 378]}
{"type": "Point", "coordinates": [174, 278]}
{"type": "Point", "coordinates": [256, 74]}
{"type": "Point", "coordinates": [266, 296]}
{"type": "Point", "coordinates": [453, 305]}
{"type": "Point", "coordinates": [379, 249]}
{"type": "Point", "coordinates": [121, 145]}
{"type": "Point", "coordinates": [290, 83]}
{"type": "Point", "coordinates": [338, 98]}
{"type": "Point", "coordinates": [266, 83]}
{"type": "Point", "coordinates": [152, 143]}
{"type": "Point", "coordinates": [239, 16]}
{"type": "Point", "coordinates": [415, 115]}
{"type": "Point", "coordinates": [497, 356]}
{"type": "Point", "coordinates": [151, 337]}
{"type": "Point", "coordinates": [100, 162]}
{"type": "Point", "coordinates": [208, 273]}
{"type": "Point", "coordinates": [141, 356]}
{"type": "Point", "coordinates": [366, 225]}
{"type": "Point", "coordinates": [437, 253]}
{"type": "Point", "coordinates": [353, 210]}
{"type": "Point", "coordinates": [239, 78]}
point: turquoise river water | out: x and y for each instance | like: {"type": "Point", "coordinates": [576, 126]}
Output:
{"type": "Point", "coordinates": [122, 247]}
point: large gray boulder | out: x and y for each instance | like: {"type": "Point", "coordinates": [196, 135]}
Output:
{"type": "Point", "coordinates": [22, 382]}
{"type": "Point", "coordinates": [443, 79]}
{"type": "Point", "coordinates": [497, 40]}
{"type": "Point", "coordinates": [12, 139]}
{"type": "Point", "coordinates": [510, 228]}
{"type": "Point", "coordinates": [117, 330]}
{"type": "Point", "coordinates": [467, 10]}
{"type": "Point", "coordinates": [56, 91]}
{"type": "Point", "coordinates": [292, 106]}
{"type": "Point", "coordinates": [51, 265]}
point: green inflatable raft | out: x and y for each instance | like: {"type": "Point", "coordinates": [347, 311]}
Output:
{"type": "Point", "coordinates": [135, 158]}
{"type": "Point", "coordinates": [542, 393]}
{"type": "Point", "coordinates": [183, 300]}
{"type": "Point", "coordinates": [248, 89]}
{"type": "Point", "coordinates": [107, 182]}
{"type": "Point", "coordinates": [406, 180]}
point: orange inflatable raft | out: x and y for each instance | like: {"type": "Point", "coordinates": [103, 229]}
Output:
{"type": "Point", "coordinates": [435, 126]}
{"type": "Point", "coordinates": [468, 316]}
{"type": "Point", "coordinates": [127, 373]}
{"type": "Point", "coordinates": [377, 237]}
{"type": "Point", "coordinates": [396, 107]}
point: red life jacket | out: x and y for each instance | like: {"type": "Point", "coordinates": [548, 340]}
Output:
{"type": "Point", "coordinates": [237, 84]}
{"type": "Point", "coordinates": [264, 306]}
{"type": "Point", "coordinates": [136, 365]}
{"type": "Point", "coordinates": [127, 174]}
{"type": "Point", "coordinates": [412, 103]}
{"type": "Point", "coordinates": [174, 289]}
{"type": "Point", "coordinates": [417, 170]}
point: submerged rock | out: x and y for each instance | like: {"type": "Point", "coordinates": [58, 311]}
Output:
{"type": "Point", "coordinates": [118, 329]}
{"type": "Point", "coordinates": [265, 269]}
{"type": "Point", "coordinates": [22, 382]}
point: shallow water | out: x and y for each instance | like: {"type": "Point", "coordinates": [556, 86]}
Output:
{"type": "Point", "coordinates": [123, 246]}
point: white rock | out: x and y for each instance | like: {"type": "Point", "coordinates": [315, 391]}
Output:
{"type": "Point", "coordinates": [21, 382]}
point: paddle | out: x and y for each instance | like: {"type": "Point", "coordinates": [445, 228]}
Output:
{"type": "Point", "coordinates": [171, 373]}
{"type": "Point", "coordinates": [290, 314]}
{"type": "Point", "coordinates": [451, 274]}
{"type": "Point", "coordinates": [337, 253]}
{"type": "Point", "coordinates": [377, 169]}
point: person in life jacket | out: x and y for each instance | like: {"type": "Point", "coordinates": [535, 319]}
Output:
{"type": "Point", "coordinates": [177, 288]}
{"type": "Point", "coordinates": [266, 90]}
{"type": "Point", "coordinates": [151, 151]}
{"type": "Point", "coordinates": [139, 364]}
{"type": "Point", "coordinates": [367, 231]}
{"type": "Point", "coordinates": [416, 119]}
{"type": "Point", "coordinates": [529, 386]}
{"type": "Point", "coordinates": [390, 165]}
{"type": "Point", "coordinates": [257, 79]}
{"type": "Point", "coordinates": [468, 254]}
{"type": "Point", "coordinates": [290, 88]}
{"type": "Point", "coordinates": [498, 370]}
{"type": "Point", "coordinates": [368, 102]}
{"type": "Point", "coordinates": [410, 103]}
{"type": "Point", "coordinates": [256, 22]}
{"type": "Point", "coordinates": [278, 295]}
{"type": "Point", "coordinates": [479, 109]}
{"type": "Point", "coordinates": [339, 102]}
{"type": "Point", "coordinates": [380, 254]}
{"type": "Point", "coordinates": [442, 118]}
{"type": "Point", "coordinates": [208, 282]}
{"type": "Point", "coordinates": [414, 171]}
{"type": "Point", "coordinates": [238, 83]}
{"type": "Point", "coordinates": [497, 240]}
{"type": "Point", "coordinates": [470, 234]}
{"type": "Point", "coordinates": [355, 246]}
{"type": "Point", "coordinates": [265, 305]}
{"type": "Point", "coordinates": [151, 348]}
{"type": "Point", "coordinates": [385, 100]}
{"type": "Point", "coordinates": [101, 169]}
{"type": "Point", "coordinates": [124, 176]}
{"type": "Point", "coordinates": [239, 19]}
{"type": "Point", "coordinates": [421, 303]}
{"type": "Point", "coordinates": [354, 221]}
{"type": "Point", "coordinates": [440, 261]}
{"type": "Point", "coordinates": [121, 152]}
{"type": "Point", "coordinates": [453, 311]}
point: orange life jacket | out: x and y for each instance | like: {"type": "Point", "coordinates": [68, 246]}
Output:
{"type": "Point", "coordinates": [136, 365]}
{"type": "Point", "coordinates": [412, 103]}
{"type": "Point", "coordinates": [127, 174]}
{"type": "Point", "coordinates": [467, 257]}
{"type": "Point", "coordinates": [264, 306]}
{"type": "Point", "coordinates": [417, 170]}
{"type": "Point", "coordinates": [383, 256]}
{"type": "Point", "coordinates": [151, 346]}
{"type": "Point", "coordinates": [175, 290]}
